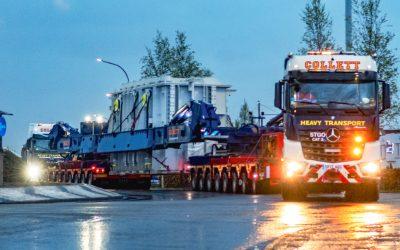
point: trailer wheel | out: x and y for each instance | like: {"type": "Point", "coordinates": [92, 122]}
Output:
{"type": "Point", "coordinates": [51, 177]}
{"type": "Point", "coordinates": [75, 179]}
{"type": "Point", "coordinates": [217, 182]}
{"type": "Point", "coordinates": [225, 182]}
{"type": "Point", "coordinates": [89, 178]}
{"type": "Point", "coordinates": [82, 178]}
{"type": "Point", "coordinates": [209, 183]}
{"type": "Point", "coordinates": [244, 181]}
{"type": "Point", "coordinates": [292, 191]}
{"type": "Point", "coordinates": [253, 186]}
{"type": "Point", "coordinates": [69, 177]}
{"type": "Point", "coordinates": [201, 182]}
{"type": "Point", "coordinates": [55, 177]}
{"type": "Point", "coordinates": [235, 183]}
{"type": "Point", "coordinates": [193, 182]}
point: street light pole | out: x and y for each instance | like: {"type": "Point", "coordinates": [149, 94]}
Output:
{"type": "Point", "coordinates": [104, 61]}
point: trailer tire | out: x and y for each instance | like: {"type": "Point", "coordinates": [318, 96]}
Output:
{"type": "Point", "coordinates": [224, 182]}
{"type": "Point", "coordinates": [56, 177]}
{"type": "Point", "coordinates": [217, 182]}
{"type": "Point", "coordinates": [235, 183]}
{"type": "Point", "coordinates": [75, 178]}
{"type": "Point", "coordinates": [51, 177]}
{"type": "Point", "coordinates": [193, 182]}
{"type": "Point", "coordinates": [69, 177]}
{"type": "Point", "coordinates": [201, 182]}
{"type": "Point", "coordinates": [89, 178]}
{"type": "Point", "coordinates": [82, 178]}
{"type": "Point", "coordinates": [253, 186]}
{"type": "Point", "coordinates": [209, 184]}
{"type": "Point", "coordinates": [244, 179]}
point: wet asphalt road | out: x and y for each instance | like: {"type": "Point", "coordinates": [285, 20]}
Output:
{"type": "Point", "coordinates": [202, 221]}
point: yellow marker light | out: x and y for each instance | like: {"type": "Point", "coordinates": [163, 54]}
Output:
{"type": "Point", "coordinates": [356, 151]}
{"type": "Point", "coordinates": [358, 138]}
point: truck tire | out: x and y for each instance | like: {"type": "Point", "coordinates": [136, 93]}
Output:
{"type": "Point", "coordinates": [217, 182]}
{"type": "Point", "coordinates": [224, 182]}
{"type": "Point", "coordinates": [244, 183]}
{"type": "Point", "coordinates": [365, 192]}
{"type": "Point", "coordinates": [235, 183]}
{"type": "Point", "coordinates": [292, 191]}
{"type": "Point", "coordinates": [209, 184]}
{"type": "Point", "coordinates": [372, 191]}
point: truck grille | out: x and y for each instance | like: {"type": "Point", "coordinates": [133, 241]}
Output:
{"type": "Point", "coordinates": [325, 151]}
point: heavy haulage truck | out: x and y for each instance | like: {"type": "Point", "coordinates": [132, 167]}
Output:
{"type": "Point", "coordinates": [331, 102]}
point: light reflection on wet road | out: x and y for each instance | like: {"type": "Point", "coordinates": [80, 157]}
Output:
{"type": "Point", "coordinates": [202, 220]}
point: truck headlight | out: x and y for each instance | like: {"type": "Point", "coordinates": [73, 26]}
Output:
{"type": "Point", "coordinates": [370, 168]}
{"type": "Point", "coordinates": [33, 172]}
{"type": "Point", "coordinates": [294, 167]}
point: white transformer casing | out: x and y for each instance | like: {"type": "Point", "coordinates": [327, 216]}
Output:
{"type": "Point", "coordinates": [168, 94]}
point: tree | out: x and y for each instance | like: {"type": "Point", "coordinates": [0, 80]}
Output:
{"type": "Point", "coordinates": [244, 115]}
{"type": "Point", "coordinates": [318, 33]}
{"type": "Point", "coordinates": [177, 61]}
{"type": "Point", "coordinates": [157, 62]}
{"type": "Point", "coordinates": [371, 38]}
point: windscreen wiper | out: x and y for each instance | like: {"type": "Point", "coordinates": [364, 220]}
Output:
{"type": "Point", "coordinates": [313, 103]}
{"type": "Point", "coordinates": [350, 104]}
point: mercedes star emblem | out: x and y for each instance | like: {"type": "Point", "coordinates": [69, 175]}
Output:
{"type": "Point", "coordinates": [332, 135]}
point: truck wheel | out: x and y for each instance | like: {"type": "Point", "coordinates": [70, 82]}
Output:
{"type": "Point", "coordinates": [235, 183]}
{"type": "Point", "coordinates": [366, 192]}
{"type": "Point", "coordinates": [89, 178]}
{"type": "Point", "coordinates": [201, 182]}
{"type": "Point", "coordinates": [293, 192]}
{"type": "Point", "coordinates": [209, 185]}
{"type": "Point", "coordinates": [225, 182]}
{"type": "Point", "coordinates": [244, 181]}
{"type": "Point", "coordinates": [217, 182]}
{"type": "Point", "coordinates": [372, 191]}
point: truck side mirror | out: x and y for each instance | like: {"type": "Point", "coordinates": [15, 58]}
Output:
{"type": "Point", "coordinates": [386, 104]}
{"type": "Point", "coordinates": [278, 95]}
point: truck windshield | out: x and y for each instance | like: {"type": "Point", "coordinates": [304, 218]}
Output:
{"type": "Point", "coordinates": [333, 95]}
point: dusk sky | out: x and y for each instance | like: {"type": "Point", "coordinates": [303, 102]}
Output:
{"type": "Point", "coordinates": [48, 48]}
